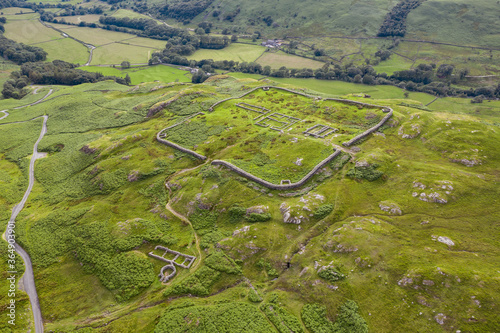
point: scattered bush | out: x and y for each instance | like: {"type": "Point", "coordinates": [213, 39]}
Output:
{"type": "Point", "coordinates": [348, 320]}
{"type": "Point", "coordinates": [365, 172]}
{"type": "Point", "coordinates": [203, 219]}
{"type": "Point", "coordinates": [314, 318]}
{"type": "Point", "coordinates": [341, 160]}
{"type": "Point", "coordinates": [322, 211]}
{"type": "Point", "coordinates": [255, 217]}
{"type": "Point", "coordinates": [230, 317]}
{"type": "Point", "coordinates": [199, 283]}
{"type": "Point", "coordinates": [236, 214]}
{"type": "Point", "coordinates": [330, 274]}
{"type": "Point", "coordinates": [222, 263]}
{"type": "Point", "coordinates": [253, 296]}
{"type": "Point", "coordinates": [283, 320]}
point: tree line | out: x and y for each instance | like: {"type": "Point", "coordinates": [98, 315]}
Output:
{"type": "Point", "coordinates": [55, 72]}
{"type": "Point", "coordinates": [394, 24]}
{"type": "Point", "coordinates": [18, 52]}
{"type": "Point", "coordinates": [428, 78]}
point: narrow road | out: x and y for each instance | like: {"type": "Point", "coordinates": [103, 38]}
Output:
{"type": "Point", "coordinates": [6, 114]}
{"type": "Point", "coordinates": [28, 278]}
{"type": "Point", "coordinates": [91, 51]}
{"type": "Point", "coordinates": [27, 281]}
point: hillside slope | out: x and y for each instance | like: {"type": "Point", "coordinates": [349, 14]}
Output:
{"type": "Point", "coordinates": [459, 22]}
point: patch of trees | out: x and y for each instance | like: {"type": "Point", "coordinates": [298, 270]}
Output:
{"type": "Point", "coordinates": [70, 11]}
{"type": "Point", "coordinates": [56, 72]}
{"type": "Point", "coordinates": [20, 53]}
{"type": "Point", "coordinates": [133, 23]}
{"type": "Point", "coordinates": [230, 16]}
{"type": "Point", "coordinates": [395, 21]}
{"type": "Point", "coordinates": [184, 10]}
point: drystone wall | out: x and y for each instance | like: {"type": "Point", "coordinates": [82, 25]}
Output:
{"type": "Point", "coordinates": [369, 131]}
{"type": "Point", "coordinates": [161, 134]}
{"type": "Point", "coordinates": [188, 261]}
{"type": "Point", "coordinates": [261, 181]}
{"type": "Point", "coordinates": [267, 184]}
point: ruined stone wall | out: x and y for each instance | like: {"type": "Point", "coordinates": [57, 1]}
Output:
{"type": "Point", "coordinates": [369, 131]}
{"type": "Point", "coordinates": [176, 146]}
{"type": "Point", "coordinates": [267, 184]}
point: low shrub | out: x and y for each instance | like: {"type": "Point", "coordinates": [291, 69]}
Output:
{"type": "Point", "coordinates": [330, 274]}
{"type": "Point", "coordinates": [365, 172]}
{"type": "Point", "coordinates": [323, 211]}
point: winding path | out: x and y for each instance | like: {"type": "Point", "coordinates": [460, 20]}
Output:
{"type": "Point", "coordinates": [27, 281]}
{"type": "Point", "coordinates": [196, 239]}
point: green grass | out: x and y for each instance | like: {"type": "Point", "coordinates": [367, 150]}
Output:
{"type": "Point", "coordinates": [279, 59]}
{"type": "Point", "coordinates": [86, 201]}
{"type": "Point", "coordinates": [339, 88]}
{"type": "Point", "coordinates": [6, 67]}
{"type": "Point", "coordinates": [29, 31]}
{"type": "Point", "coordinates": [266, 153]}
{"type": "Point", "coordinates": [145, 74]}
{"type": "Point", "coordinates": [460, 23]}
{"type": "Point", "coordinates": [116, 53]}
{"type": "Point", "coordinates": [130, 14]}
{"type": "Point", "coordinates": [94, 36]}
{"type": "Point", "coordinates": [395, 63]}
{"type": "Point", "coordinates": [66, 49]}
{"type": "Point", "coordinates": [90, 18]}
{"type": "Point", "coordinates": [236, 52]}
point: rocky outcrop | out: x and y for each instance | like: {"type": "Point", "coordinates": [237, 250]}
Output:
{"type": "Point", "coordinates": [390, 207]}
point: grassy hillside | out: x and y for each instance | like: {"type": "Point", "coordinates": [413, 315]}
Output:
{"type": "Point", "coordinates": [302, 17]}
{"type": "Point", "coordinates": [414, 247]}
{"type": "Point", "coordinates": [459, 22]}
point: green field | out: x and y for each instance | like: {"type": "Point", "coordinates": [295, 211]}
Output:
{"type": "Point", "coordinates": [145, 74]}
{"type": "Point", "coordinates": [29, 31]}
{"type": "Point", "coordinates": [339, 88]}
{"type": "Point", "coordinates": [116, 53]}
{"type": "Point", "coordinates": [91, 18]}
{"type": "Point", "coordinates": [236, 52]}
{"type": "Point", "coordinates": [94, 36]}
{"type": "Point", "coordinates": [279, 59]}
{"type": "Point", "coordinates": [459, 22]}
{"type": "Point", "coordinates": [66, 49]}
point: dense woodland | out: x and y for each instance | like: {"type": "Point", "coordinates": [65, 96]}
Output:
{"type": "Point", "coordinates": [394, 24]}
{"type": "Point", "coordinates": [18, 52]}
